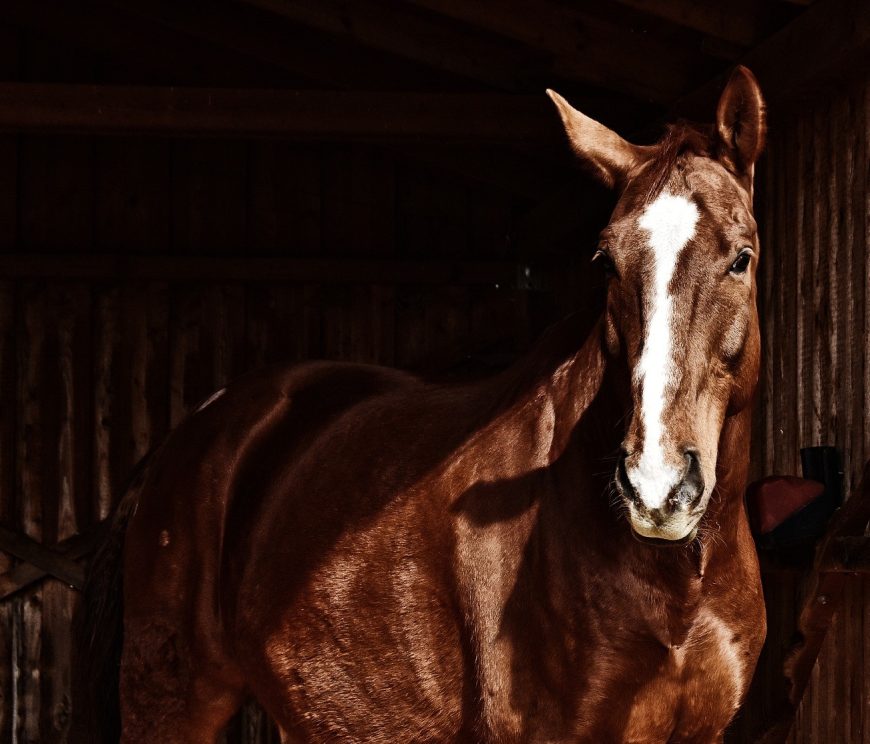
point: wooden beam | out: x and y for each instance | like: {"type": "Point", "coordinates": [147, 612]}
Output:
{"type": "Point", "coordinates": [28, 549]}
{"type": "Point", "coordinates": [737, 23]}
{"type": "Point", "coordinates": [72, 549]}
{"type": "Point", "coordinates": [98, 267]}
{"type": "Point", "coordinates": [117, 36]}
{"type": "Point", "coordinates": [404, 32]}
{"type": "Point", "coordinates": [828, 40]}
{"type": "Point", "coordinates": [309, 115]}
{"type": "Point", "coordinates": [299, 51]}
{"type": "Point", "coordinates": [584, 47]}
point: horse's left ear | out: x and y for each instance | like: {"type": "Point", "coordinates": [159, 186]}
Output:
{"type": "Point", "coordinates": [741, 121]}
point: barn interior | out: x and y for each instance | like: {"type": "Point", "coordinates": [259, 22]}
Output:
{"type": "Point", "coordinates": [190, 190]}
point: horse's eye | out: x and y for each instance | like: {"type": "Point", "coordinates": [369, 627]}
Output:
{"type": "Point", "coordinates": [602, 258]}
{"type": "Point", "coordinates": [741, 263]}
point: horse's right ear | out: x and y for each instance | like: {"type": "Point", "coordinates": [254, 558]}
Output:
{"type": "Point", "coordinates": [609, 157]}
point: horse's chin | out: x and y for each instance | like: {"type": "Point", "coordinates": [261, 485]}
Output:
{"type": "Point", "coordinates": [666, 542]}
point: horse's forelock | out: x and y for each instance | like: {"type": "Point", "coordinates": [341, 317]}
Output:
{"type": "Point", "coordinates": [680, 139]}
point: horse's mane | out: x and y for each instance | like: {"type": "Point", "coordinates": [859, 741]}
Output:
{"type": "Point", "coordinates": [680, 139]}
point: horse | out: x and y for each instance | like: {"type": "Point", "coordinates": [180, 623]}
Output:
{"type": "Point", "coordinates": [557, 553]}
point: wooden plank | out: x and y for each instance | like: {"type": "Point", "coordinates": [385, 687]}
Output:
{"type": "Point", "coordinates": [819, 46]}
{"type": "Point", "coordinates": [131, 340]}
{"type": "Point", "coordinates": [132, 196]}
{"type": "Point", "coordinates": [133, 47]}
{"type": "Point", "coordinates": [25, 574]}
{"type": "Point", "coordinates": [304, 114]}
{"type": "Point", "coordinates": [54, 459]}
{"type": "Point", "coordinates": [819, 299]}
{"type": "Point", "coordinates": [27, 549]}
{"type": "Point", "coordinates": [91, 267]}
{"type": "Point", "coordinates": [359, 203]}
{"type": "Point", "coordinates": [303, 53]}
{"type": "Point", "coordinates": [358, 324]}
{"type": "Point", "coordinates": [283, 323]}
{"type": "Point", "coordinates": [209, 196]}
{"type": "Point", "coordinates": [285, 199]}
{"type": "Point", "coordinates": [434, 216]}
{"type": "Point", "coordinates": [8, 390]}
{"type": "Point", "coordinates": [55, 194]}
{"type": "Point", "coordinates": [432, 328]}
{"type": "Point", "coordinates": [738, 23]}
{"type": "Point", "coordinates": [207, 343]}
{"type": "Point", "coordinates": [856, 242]}
{"type": "Point", "coordinates": [406, 33]}
{"type": "Point", "coordinates": [582, 45]}
{"type": "Point", "coordinates": [806, 327]}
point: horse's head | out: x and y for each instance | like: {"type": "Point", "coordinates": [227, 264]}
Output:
{"type": "Point", "coordinates": [681, 251]}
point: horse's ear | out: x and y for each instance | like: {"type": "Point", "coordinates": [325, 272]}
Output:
{"type": "Point", "coordinates": [741, 121]}
{"type": "Point", "coordinates": [608, 156]}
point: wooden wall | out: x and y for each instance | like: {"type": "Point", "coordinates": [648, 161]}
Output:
{"type": "Point", "coordinates": [814, 290]}
{"type": "Point", "coordinates": [95, 369]}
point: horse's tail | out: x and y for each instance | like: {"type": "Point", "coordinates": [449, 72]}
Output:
{"type": "Point", "coordinates": [98, 629]}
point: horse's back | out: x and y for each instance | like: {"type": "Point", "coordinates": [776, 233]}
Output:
{"type": "Point", "coordinates": [277, 506]}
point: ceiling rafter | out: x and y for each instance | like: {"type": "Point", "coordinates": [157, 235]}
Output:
{"type": "Point", "coordinates": [583, 46]}
{"type": "Point", "coordinates": [393, 117]}
{"type": "Point", "coordinates": [734, 22]}
{"type": "Point", "coordinates": [404, 32]}
{"type": "Point", "coordinates": [121, 37]}
{"type": "Point", "coordinates": [294, 49]}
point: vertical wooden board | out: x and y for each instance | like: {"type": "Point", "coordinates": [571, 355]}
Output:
{"type": "Point", "coordinates": [132, 201]}
{"type": "Point", "coordinates": [56, 194]}
{"type": "Point", "coordinates": [859, 330]}
{"type": "Point", "coordinates": [358, 323]}
{"type": "Point", "coordinates": [130, 385]}
{"type": "Point", "coordinates": [283, 323]}
{"type": "Point", "coordinates": [9, 57]}
{"type": "Point", "coordinates": [207, 343]}
{"type": "Point", "coordinates": [785, 265]}
{"type": "Point", "coordinates": [865, 150]}
{"type": "Point", "coordinates": [434, 217]}
{"type": "Point", "coordinates": [432, 328]}
{"type": "Point", "coordinates": [495, 321]}
{"type": "Point", "coordinates": [805, 318]}
{"type": "Point", "coordinates": [490, 224]}
{"type": "Point", "coordinates": [285, 192]}
{"type": "Point", "coordinates": [767, 310]}
{"type": "Point", "coordinates": [839, 389]}
{"type": "Point", "coordinates": [31, 345]}
{"type": "Point", "coordinates": [209, 196]}
{"type": "Point", "coordinates": [53, 467]}
{"type": "Point", "coordinates": [820, 300]}
{"type": "Point", "coordinates": [73, 326]}
{"type": "Point", "coordinates": [358, 202]}
{"type": "Point", "coordinates": [7, 494]}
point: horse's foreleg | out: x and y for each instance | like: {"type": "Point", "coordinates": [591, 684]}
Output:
{"type": "Point", "coordinates": [170, 695]}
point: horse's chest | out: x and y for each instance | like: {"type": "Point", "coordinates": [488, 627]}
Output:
{"type": "Point", "coordinates": [697, 689]}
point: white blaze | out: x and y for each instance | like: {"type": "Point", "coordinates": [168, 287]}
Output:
{"type": "Point", "coordinates": [670, 221]}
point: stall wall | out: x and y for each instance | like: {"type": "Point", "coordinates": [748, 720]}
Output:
{"type": "Point", "coordinates": [812, 208]}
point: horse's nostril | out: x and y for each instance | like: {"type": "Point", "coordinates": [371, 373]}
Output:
{"type": "Point", "coordinates": [622, 477]}
{"type": "Point", "coordinates": [690, 489]}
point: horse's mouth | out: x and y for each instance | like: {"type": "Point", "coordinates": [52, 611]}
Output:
{"type": "Point", "coordinates": [662, 542]}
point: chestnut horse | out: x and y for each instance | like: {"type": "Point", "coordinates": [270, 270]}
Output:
{"type": "Point", "coordinates": [560, 553]}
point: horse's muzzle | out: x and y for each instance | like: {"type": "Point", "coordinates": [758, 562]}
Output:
{"type": "Point", "coordinates": [675, 519]}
